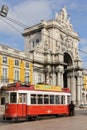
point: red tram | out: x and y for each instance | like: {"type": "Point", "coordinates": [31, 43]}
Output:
{"type": "Point", "coordinates": [35, 100]}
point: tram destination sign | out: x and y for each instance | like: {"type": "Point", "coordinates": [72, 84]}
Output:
{"type": "Point", "coordinates": [47, 87]}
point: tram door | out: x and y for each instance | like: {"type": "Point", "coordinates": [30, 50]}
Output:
{"type": "Point", "coordinates": [22, 104]}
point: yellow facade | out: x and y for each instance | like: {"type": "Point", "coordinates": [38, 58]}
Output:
{"type": "Point", "coordinates": [85, 82]}
{"type": "Point", "coordinates": [22, 72]}
{"type": "Point", "coordinates": [31, 73]}
{"type": "Point", "coordinates": [11, 69]}
{"type": "Point", "coordinates": [0, 67]}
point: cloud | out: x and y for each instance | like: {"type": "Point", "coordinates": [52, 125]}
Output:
{"type": "Point", "coordinates": [30, 12]}
{"type": "Point", "coordinates": [83, 50]}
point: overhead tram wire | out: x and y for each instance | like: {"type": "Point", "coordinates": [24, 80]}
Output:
{"type": "Point", "coordinates": [5, 18]}
{"type": "Point", "coordinates": [11, 25]}
{"type": "Point", "coordinates": [17, 22]}
{"type": "Point", "coordinates": [25, 26]}
{"type": "Point", "coordinates": [82, 51]}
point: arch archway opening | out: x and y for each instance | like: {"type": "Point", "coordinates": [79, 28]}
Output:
{"type": "Point", "coordinates": [68, 64]}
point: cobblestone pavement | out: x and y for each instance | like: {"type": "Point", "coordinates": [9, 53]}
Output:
{"type": "Point", "coordinates": [61, 123]}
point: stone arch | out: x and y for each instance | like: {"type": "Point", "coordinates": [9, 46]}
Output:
{"type": "Point", "coordinates": [83, 97]}
{"type": "Point", "coordinates": [68, 64]}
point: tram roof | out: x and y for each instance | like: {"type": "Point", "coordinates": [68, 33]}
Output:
{"type": "Point", "coordinates": [37, 87]}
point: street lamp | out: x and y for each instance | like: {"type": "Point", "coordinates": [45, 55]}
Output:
{"type": "Point", "coordinates": [4, 10]}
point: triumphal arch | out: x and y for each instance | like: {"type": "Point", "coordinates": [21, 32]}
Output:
{"type": "Point", "coordinates": [53, 48]}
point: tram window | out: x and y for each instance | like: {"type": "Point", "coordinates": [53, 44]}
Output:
{"type": "Point", "coordinates": [20, 98]}
{"type": "Point", "coordinates": [62, 99]}
{"type": "Point", "coordinates": [68, 99]}
{"type": "Point", "coordinates": [2, 100]}
{"type": "Point", "coordinates": [7, 98]}
{"type": "Point", "coordinates": [33, 99]}
{"type": "Point", "coordinates": [46, 99]}
{"type": "Point", "coordinates": [24, 97]}
{"type": "Point", "coordinates": [57, 100]}
{"type": "Point", "coordinates": [40, 99]}
{"type": "Point", "coordinates": [13, 97]}
{"type": "Point", "coordinates": [51, 99]}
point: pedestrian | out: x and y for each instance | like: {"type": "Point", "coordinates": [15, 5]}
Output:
{"type": "Point", "coordinates": [71, 109]}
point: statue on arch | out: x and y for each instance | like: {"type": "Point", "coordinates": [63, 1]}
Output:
{"type": "Point", "coordinates": [63, 17]}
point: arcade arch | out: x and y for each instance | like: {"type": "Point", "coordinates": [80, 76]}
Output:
{"type": "Point", "coordinates": [68, 63]}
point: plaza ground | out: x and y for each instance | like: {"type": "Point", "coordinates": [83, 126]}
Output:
{"type": "Point", "coordinates": [78, 122]}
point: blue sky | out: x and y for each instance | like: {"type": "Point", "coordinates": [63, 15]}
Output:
{"type": "Point", "coordinates": [31, 12]}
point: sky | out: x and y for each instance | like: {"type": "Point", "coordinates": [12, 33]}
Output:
{"type": "Point", "coordinates": [31, 12]}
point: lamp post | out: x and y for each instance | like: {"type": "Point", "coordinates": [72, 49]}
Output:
{"type": "Point", "coordinates": [4, 11]}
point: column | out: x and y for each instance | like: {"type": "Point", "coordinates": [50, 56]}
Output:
{"type": "Point", "coordinates": [61, 79]}
{"type": "Point", "coordinates": [68, 81]}
{"type": "Point", "coordinates": [73, 88]}
{"type": "Point", "coordinates": [58, 79]}
{"type": "Point", "coordinates": [78, 89]}
{"type": "Point", "coordinates": [54, 76]}
{"type": "Point", "coordinates": [81, 90]}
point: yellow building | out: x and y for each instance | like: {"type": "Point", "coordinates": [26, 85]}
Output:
{"type": "Point", "coordinates": [85, 82]}
{"type": "Point", "coordinates": [84, 88]}
{"type": "Point", "coordinates": [14, 66]}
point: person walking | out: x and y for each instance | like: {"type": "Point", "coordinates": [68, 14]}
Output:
{"type": "Point", "coordinates": [71, 109]}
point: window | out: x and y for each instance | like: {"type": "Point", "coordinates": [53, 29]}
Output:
{"type": "Point", "coordinates": [16, 62]}
{"type": "Point", "coordinates": [4, 60]}
{"type": "Point", "coordinates": [2, 100]}
{"type": "Point", "coordinates": [68, 99]}
{"type": "Point", "coordinates": [17, 75]}
{"type": "Point", "coordinates": [62, 99]}
{"type": "Point", "coordinates": [4, 72]}
{"type": "Point", "coordinates": [7, 98]}
{"type": "Point", "coordinates": [27, 77]}
{"type": "Point", "coordinates": [33, 98]}
{"type": "Point", "coordinates": [4, 75]}
{"type": "Point", "coordinates": [27, 65]}
{"type": "Point", "coordinates": [51, 99]}
{"type": "Point", "coordinates": [13, 97]}
{"type": "Point", "coordinates": [46, 99]}
{"type": "Point", "coordinates": [22, 98]}
{"type": "Point", "coordinates": [40, 99]}
{"type": "Point", "coordinates": [37, 40]}
{"type": "Point", "coordinates": [57, 99]}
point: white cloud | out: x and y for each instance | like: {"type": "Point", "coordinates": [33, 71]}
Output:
{"type": "Point", "coordinates": [83, 50]}
{"type": "Point", "coordinates": [30, 12]}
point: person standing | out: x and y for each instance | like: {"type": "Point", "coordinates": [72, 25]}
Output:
{"type": "Point", "coordinates": [72, 109]}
